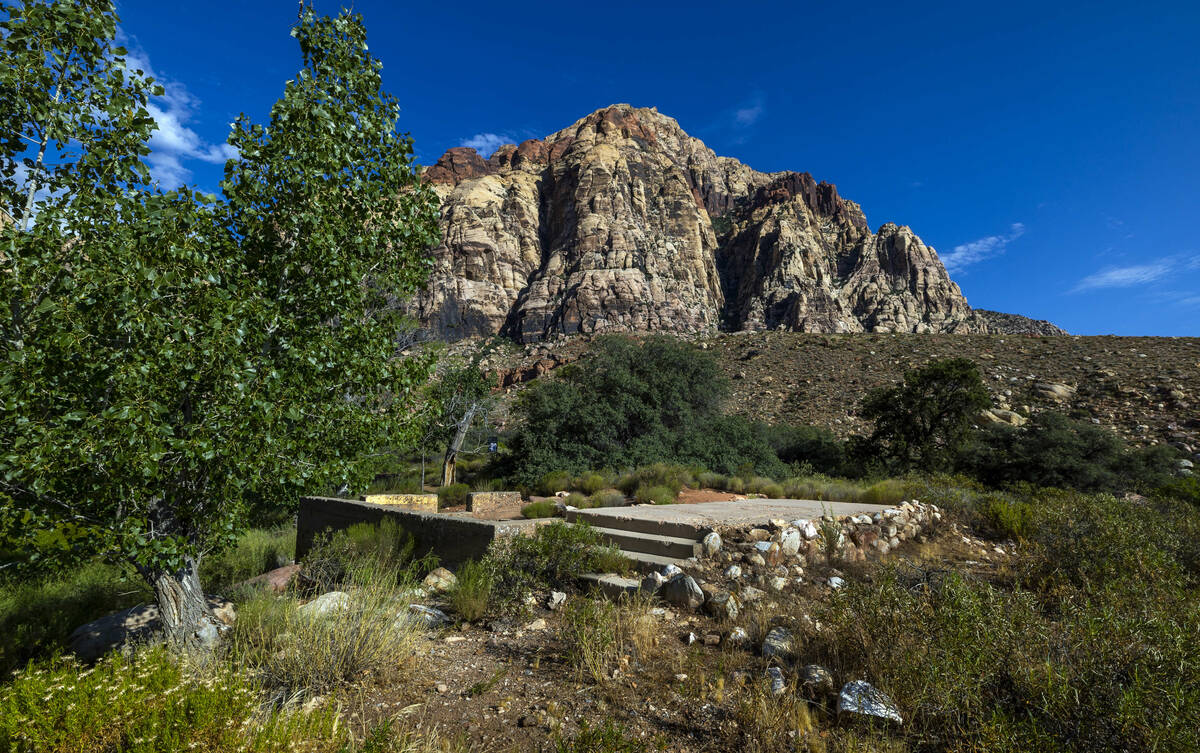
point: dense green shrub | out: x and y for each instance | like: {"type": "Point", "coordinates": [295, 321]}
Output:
{"type": "Point", "coordinates": [546, 508]}
{"type": "Point", "coordinates": [590, 482]}
{"type": "Point", "coordinates": [814, 445]}
{"type": "Point", "coordinates": [1182, 489]}
{"type": "Point", "coordinates": [554, 557]}
{"type": "Point", "coordinates": [922, 423]}
{"type": "Point", "coordinates": [607, 498]}
{"type": "Point", "coordinates": [673, 477]}
{"type": "Point", "coordinates": [654, 495]}
{"type": "Point", "coordinates": [710, 480]}
{"type": "Point", "coordinates": [575, 499]}
{"type": "Point", "coordinates": [630, 403]}
{"type": "Point", "coordinates": [887, 492]}
{"type": "Point", "coordinates": [1056, 451]}
{"type": "Point", "coordinates": [453, 495]}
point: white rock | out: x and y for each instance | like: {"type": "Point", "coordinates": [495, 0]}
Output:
{"type": "Point", "coordinates": [326, 604]}
{"type": "Point", "coordinates": [733, 571]}
{"type": "Point", "coordinates": [860, 697]}
{"type": "Point", "coordinates": [790, 540]}
{"type": "Point", "coordinates": [737, 636]}
{"type": "Point", "coordinates": [711, 544]}
{"type": "Point", "coordinates": [670, 571]}
{"type": "Point", "coordinates": [836, 582]}
{"type": "Point", "coordinates": [778, 584]}
{"type": "Point", "coordinates": [440, 580]}
{"type": "Point", "coordinates": [775, 674]}
{"type": "Point", "coordinates": [779, 644]}
{"type": "Point", "coordinates": [557, 599]}
{"type": "Point", "coordinates": [429, 617]}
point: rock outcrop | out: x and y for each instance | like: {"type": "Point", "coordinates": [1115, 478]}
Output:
{"type": "Point", "coordinates": [623, 222]}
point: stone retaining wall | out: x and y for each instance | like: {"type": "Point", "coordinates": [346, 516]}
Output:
{"type": "Point", "coordinates": [417, 502]}
{"type": "Point", "coordinates": [488, 501]}
{"type": "Point", "coordinates": [453, 538]}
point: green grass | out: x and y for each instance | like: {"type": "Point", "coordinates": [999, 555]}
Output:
{"type": "Point", "coordinates": [543, 509]}
{"type": "Point", "coordinates": [257, 551]}
{"type": "Point", "coordinates": [37, 616]}
{"type": "Point", "coordinates": [472, 592]}
{"type": "Point", "coordinates": [150, 703]}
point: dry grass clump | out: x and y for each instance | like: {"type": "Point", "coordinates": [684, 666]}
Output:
{"type": "Point", "coordinates": [601, 636]}
{"type": "Point", "coordinates": [472, 590]}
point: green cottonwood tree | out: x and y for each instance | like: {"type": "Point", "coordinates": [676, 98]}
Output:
{"type": "Point", "coordinates": [170, 357]}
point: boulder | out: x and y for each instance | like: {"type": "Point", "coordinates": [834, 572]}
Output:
{"type": "Point", "coordinates": [711, 544]}
{"type": "Point", "coordinates": [430, 618]}
{"type": "Point", "coordinates": [326, 604]}
{"type": "Point", "coordinates": [277, 581]}
{"type": "Point", "coordinates": [441, 580]}
{"type": "Point", "coordinates": [790, 540]}
{"type": "Point", "coordinates": [722, 605]}
{"type": "Point", "coordinates": [775, 676]}
{"type": "Point", "coordinates": [779, 644]}
{"type": "Point", "coordinates": [816, 681]}
{"type": "Point", "coordinates": [682, 591]}
{"type": "Point", "coordinates": [136, 625]}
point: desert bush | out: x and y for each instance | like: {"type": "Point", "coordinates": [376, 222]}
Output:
{"type": "Point", "coordinates": [608, 737]}
{"type": "Point", "coordinates": [295, 653]}
{"type": "Point", "coordinates": [553, 557]}
{"type": "Point", "coordinates": [887, 492]}
{"type": "Point", "coordinates": [472, 591]}
{"type": "Point", "coordinates": [257, 551]}
{"type": "Point", "coordinates": [551, 483]}
{"type": "Point", "coordinates": [453, 495]}
{"type": "Point", "coordinates": [607, 498]}
{"type": "Point", "coordinates": [673, 477]}
{"type": "Point", "coordinates": [575, 499]}
{"type": "Point", "coordinates": [654, 495]}
{"type": "Point", "coordinates": [735, 485]}
{"type": "Point", "coordinates": [756, 484]}
{"type": "Point", "coordinates": [37, 615]}
{"type": "Point", "coordinates": [772, 491]}
{"type": "Point", "coordinates": [364, 550]}
{"type": "Point", "coordinates": [546, 508]}
{"type": "Point", "coordinates": [591, 482]}
{"type": "Point", "coordinates": [709, 480]}
{"type": "Point", "coordinates": [1183, 489]}
{"type": "Point", "coordinates": [1056, 451]}
{"type": "Point", "coordinates": [597, 632]}
{"type": "Point", "coordinates": [150, 702]}
{"type": "Point", "coordinates": [1009, 517]}
{"type": "Point", "coordinates": [814, 445]}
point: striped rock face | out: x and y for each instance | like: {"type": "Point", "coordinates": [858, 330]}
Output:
{"type": "Point", "coordinates": [622, 222]}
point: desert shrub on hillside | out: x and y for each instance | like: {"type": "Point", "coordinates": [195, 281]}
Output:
{"type": "Point", "coordinates": [606, 498]}
{"type": "Point", "coordinates": [1056, 451]}
{"type": "Point", "coordinates": [922, 422]}
{"type": "Point", "coordinates": [472, 590]}
{"type": "Point", "coordinates": [673, 477]}
{"type": "Point", "coordinates": [630, 403]}
{"type": "Point", "coordinates": [553, 482]}
{"type": "Point", "coordinates": [1183, 489]}
{"type": "Point", "coordinates": [591, 482]}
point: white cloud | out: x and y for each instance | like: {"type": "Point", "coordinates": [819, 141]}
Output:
{"type": "Point", "coordinates": [174, 143]}
{"type": "Point", "coordinates": [966, 254]}
{"type": "Point", "coordinates": [748, 116]}
{"type": "Point", "coordinates": [486, 143]}
{"type": "Point", "coordinates": [1137, 274]}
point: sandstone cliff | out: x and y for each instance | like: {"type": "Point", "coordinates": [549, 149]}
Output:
{"type": "Point", "coordinates": [623, 222]}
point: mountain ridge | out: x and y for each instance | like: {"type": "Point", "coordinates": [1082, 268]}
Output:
{"type": "Point", "coordinates": [624, 222]}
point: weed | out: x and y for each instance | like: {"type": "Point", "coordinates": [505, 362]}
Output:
{"type": "Point", "coordinates": [606, 498]}
{"type": "Point", "coordinates": [590, 483]}
{"type": "Point", "coordinates": [484, 686]}
{"type": "Point", "coordinates": [654, 495]}
{"type": "Point", "coordinates": [606, 738]}
{"type": "Point", "coordinates": [472, 591]}
{"type": "Point", "coordinates": [543, 509]}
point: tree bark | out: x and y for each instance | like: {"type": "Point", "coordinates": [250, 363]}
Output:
{"type": "Point", "coordinates": [456, 444]}
{"type": "Point", "coordinates": [186, 619]}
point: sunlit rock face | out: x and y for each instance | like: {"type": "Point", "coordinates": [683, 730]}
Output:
{"type": "Point", "coordinates": [623, 222]}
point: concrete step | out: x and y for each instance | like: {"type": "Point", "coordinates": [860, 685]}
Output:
{"type": "Point", "coordinates": [618, 519]}
{"type": "Point", "coordinates": [648, 543]}
{"type": "Point", "coordinates": [647, 563]}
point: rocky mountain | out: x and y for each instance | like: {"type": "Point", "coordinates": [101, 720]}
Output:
{"type": "Point", "coordinates": [623, 222]}
{"type": "Point", "coordinates": [996, 323]}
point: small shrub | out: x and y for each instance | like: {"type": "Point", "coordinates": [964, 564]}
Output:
{"type": "Point", "coordinates": [575, 499]}
{"type": "Point", "coordinates": [453, 495]}
{"type": "Point", "coordinates": [709, 480]}
{"type": "Point", "coordinates": [592, 635]}
{"type": "Point", "coordinates": [1011, 518]}
{"type": "Point", "coordinates": [758, 485]}
{"type": "Point", "coordinates": [544, 509]}
{"type": "Point", "coordinates": [609, 737]}
{"type": "Point", "coordinates": [735, 485]}
{"type": "Point", "coordinates": [1183, 489]}
{"type": "Point", "coordinates": [297, 653]}
{"type": "Point", "coordinates": [590, 483]}
{"type": "Point", "coordinates": [553, 482]}
{"type": "Point", "coordinates": [654, 495]}
{"type": "Point", "coordinates": [673, 477]}
{"type": "Point", "coordinates": [472, 591]}
{"type": "Point", "coordinates": [607, 498]}
{"type": "Point", "coordinates": [362, 550]}
{"type": "Point", "coordinates": [888, 492]}
{"type": "Point", "coordinates": [554, 557]}
{"type": "Point", "coordinates": [772, 491]}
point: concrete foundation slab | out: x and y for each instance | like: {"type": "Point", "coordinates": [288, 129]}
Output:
{"type": "Point", "coordinates": [690, 521]}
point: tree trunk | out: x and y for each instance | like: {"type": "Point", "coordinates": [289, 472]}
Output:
{"type": "Point", "coordinates": [186, 619]}
{"type": "Point", "coordinates": [456, 444]}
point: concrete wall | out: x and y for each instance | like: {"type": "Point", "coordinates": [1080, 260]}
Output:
{"type": "Point", "coordinates": [453, 538]}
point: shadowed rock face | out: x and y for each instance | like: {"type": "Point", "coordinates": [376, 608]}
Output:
{"type": "Point", "coordinates": [623, 222]}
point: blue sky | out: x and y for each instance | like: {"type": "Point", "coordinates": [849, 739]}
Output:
{"type": "Point", "coordinates": [1050, 152]}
